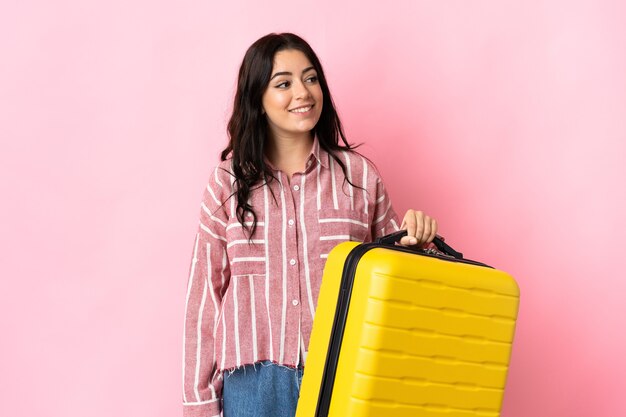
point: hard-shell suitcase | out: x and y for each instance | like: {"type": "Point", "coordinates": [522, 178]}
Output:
{"type": "Point", "coordinates": [401, 332]}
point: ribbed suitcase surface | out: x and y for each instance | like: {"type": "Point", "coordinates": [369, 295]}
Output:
{"type": "Point", "coordinates": [422, 337]}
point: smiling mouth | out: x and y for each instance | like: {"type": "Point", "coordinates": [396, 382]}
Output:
{"type": "Point", "coordinates": [303, 109]}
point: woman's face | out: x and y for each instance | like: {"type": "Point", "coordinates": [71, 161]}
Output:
{"type": "Point", "coordinates": [293, 98]}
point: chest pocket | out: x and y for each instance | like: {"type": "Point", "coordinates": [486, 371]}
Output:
{"type": "Point", "coordinates": [246, 256]}
{"type": "Point", "coordinates": [341, 225]}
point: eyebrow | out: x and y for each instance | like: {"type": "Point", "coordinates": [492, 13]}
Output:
{"type": "Point", "coordinates": [289, 73]}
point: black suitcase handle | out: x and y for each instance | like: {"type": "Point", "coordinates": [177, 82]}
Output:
{"type": "Point", "coordinates": [438, 241]}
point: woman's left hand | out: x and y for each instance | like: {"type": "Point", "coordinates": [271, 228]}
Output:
{"type": "Point", "coordinates": [421, 229]}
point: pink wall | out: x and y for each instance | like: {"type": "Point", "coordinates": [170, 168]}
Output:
{"type": "Point", "coordinates": [505, 120]}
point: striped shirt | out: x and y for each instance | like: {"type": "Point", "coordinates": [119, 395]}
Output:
{"type": "Point", "coordinates": [250, 300]}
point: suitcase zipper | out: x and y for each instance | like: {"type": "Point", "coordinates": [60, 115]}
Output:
{"type": "Point", "coordinates": [339, 324]}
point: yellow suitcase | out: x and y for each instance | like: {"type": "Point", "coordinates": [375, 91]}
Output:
{"type": "Point", "coordinates": [400, 333]}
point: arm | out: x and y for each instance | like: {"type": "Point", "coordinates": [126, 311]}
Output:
{"type": "Point", "coordinates": [385, 219]}
{"type": "Point", "coordinates": [208, 277]}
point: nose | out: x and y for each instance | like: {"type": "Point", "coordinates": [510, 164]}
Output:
{"type": "Point", "coordinates": [300, 90]}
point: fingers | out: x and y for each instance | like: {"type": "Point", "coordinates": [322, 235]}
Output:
{"type": "Point", "coordinates": [410, 224]}
{"type": "Point", "coordinates": [421, 228]}
{"type": "Point", "coordinates": [426, 231]}
{"type": "Point", "coordinates": [433, 230]}
{"type": "Point", "coordinates": [408, 241]}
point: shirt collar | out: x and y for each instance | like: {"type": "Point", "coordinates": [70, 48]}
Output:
{"type": "Point", "coordinates": [319, 153]}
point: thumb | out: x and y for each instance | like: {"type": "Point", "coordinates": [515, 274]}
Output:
{"type": "Point", "coordinates": [408, 241]}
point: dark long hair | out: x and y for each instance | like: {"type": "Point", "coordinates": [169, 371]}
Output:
{"type": "Point", "coordinates": [248, 128]}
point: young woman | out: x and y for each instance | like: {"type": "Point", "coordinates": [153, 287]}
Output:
{"type": "Point", "coordinates": [289, 188]}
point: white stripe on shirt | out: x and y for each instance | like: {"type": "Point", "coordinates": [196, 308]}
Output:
{"type": "Point", "coordinates": [247, 242]}
{"type": "Point", "coordinates": [224, 265]}
{"type": "Point", "coordinates": [335, 237]}
{"type": "Point", "coordinates": [248, 259]}
{"type": "Point", "coordinates": [235, 282]}
{"type": "Point", "coordinates": [211, 216]}
{"type": "Point", "coordinates": [223, 333]}
{"type": "Point", "coordinates": [194, 261]}
{"type": "Point", "coordinates": [283, 319]}
{"type": "Point", "coordinates": [267, 269]}
{"type": "Point", "coordinates": [199, 342]}
{"type": "Point", "coordinates": [212, 292]}
{"type": "Point", "coordinates": [319, 187]}
{"type": "Point", "coordinates": [349, 177]}
{"type": "Point", "coordinates": [202, 402]}
{"type": "Point", "coordinates": [210, 232]}
{"type": "Point", "coordinates": [364, 185]}
{"type": "Point", "coordinates": [331, 162]}
{"type": "Point", "coordinates": [307, 274]}
{"type": "Point", "coordinates": [217, 178]}
{"type": "Point", "coordinates": [255, 354]}
{"type": "Point", "coordinates": [217, 201]}
{"type": "Point", "coordinates": [248, 223]}
{"type": "Point", "coordinates": [342, 220]}
{"type": "Point", "coordinates": [381, 217]}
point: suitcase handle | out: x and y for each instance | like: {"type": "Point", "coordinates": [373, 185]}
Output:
{"type": "Point", "coordinates": [438, 241]}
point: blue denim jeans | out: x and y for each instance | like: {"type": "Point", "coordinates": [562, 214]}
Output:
{"type": "Point", "coordinates": [263, 389]}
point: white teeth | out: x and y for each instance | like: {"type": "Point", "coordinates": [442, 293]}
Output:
{"type": "Point", "coordinates": [301, 109]}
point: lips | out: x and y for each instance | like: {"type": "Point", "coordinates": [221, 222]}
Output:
{"type": "Point", "coordinates": [302, 109]}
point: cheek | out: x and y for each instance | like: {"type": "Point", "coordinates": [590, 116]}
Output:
{"type": "Point", "coordinates": [319, 99]}
{"type": "Point", "coordinates": [318, 92]}
{"type": "Point", "coordinates": [318, 95]}
{"type": "Point", "coordinates": [274, 101]}
{"type": "Point", "coordinates": [274, 106]}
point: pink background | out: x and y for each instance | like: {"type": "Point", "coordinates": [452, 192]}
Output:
{"type": "Point", "coordinates": [505, 120]}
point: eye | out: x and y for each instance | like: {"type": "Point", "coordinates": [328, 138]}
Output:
{"type": "Point", "coordinates": [312, 79]}
{"type": "Point", "coordinates": [283, 84]}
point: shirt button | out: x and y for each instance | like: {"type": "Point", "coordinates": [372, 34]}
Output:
{"type": "Point", "coordinates": [295, 302]}
{"type": "Point", "coordinates": [296, 187]}
{"type": "Point", "coordinates": [292, 262]}
{"type": "Point", "coordinates": [290, 222]}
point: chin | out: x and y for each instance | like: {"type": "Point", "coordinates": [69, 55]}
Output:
{"type": "Point", "coordinates": [304, 129]}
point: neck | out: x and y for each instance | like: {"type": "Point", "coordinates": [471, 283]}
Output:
{"type": "Point", "coordinates": [289, 154]}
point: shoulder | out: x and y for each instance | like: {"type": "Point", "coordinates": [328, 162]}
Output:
{"type": "Point", "coordinates": [361, 165]}
{"type": "Point", "coordinates": [220, 181]}
{"type": "Point", "coordinates": [222, 174]}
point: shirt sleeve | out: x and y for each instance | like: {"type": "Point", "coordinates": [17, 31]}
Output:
{"type": "Point", "coordinates": [385, 219]}
{"type": "Point", "coordinates": [208, 278]}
